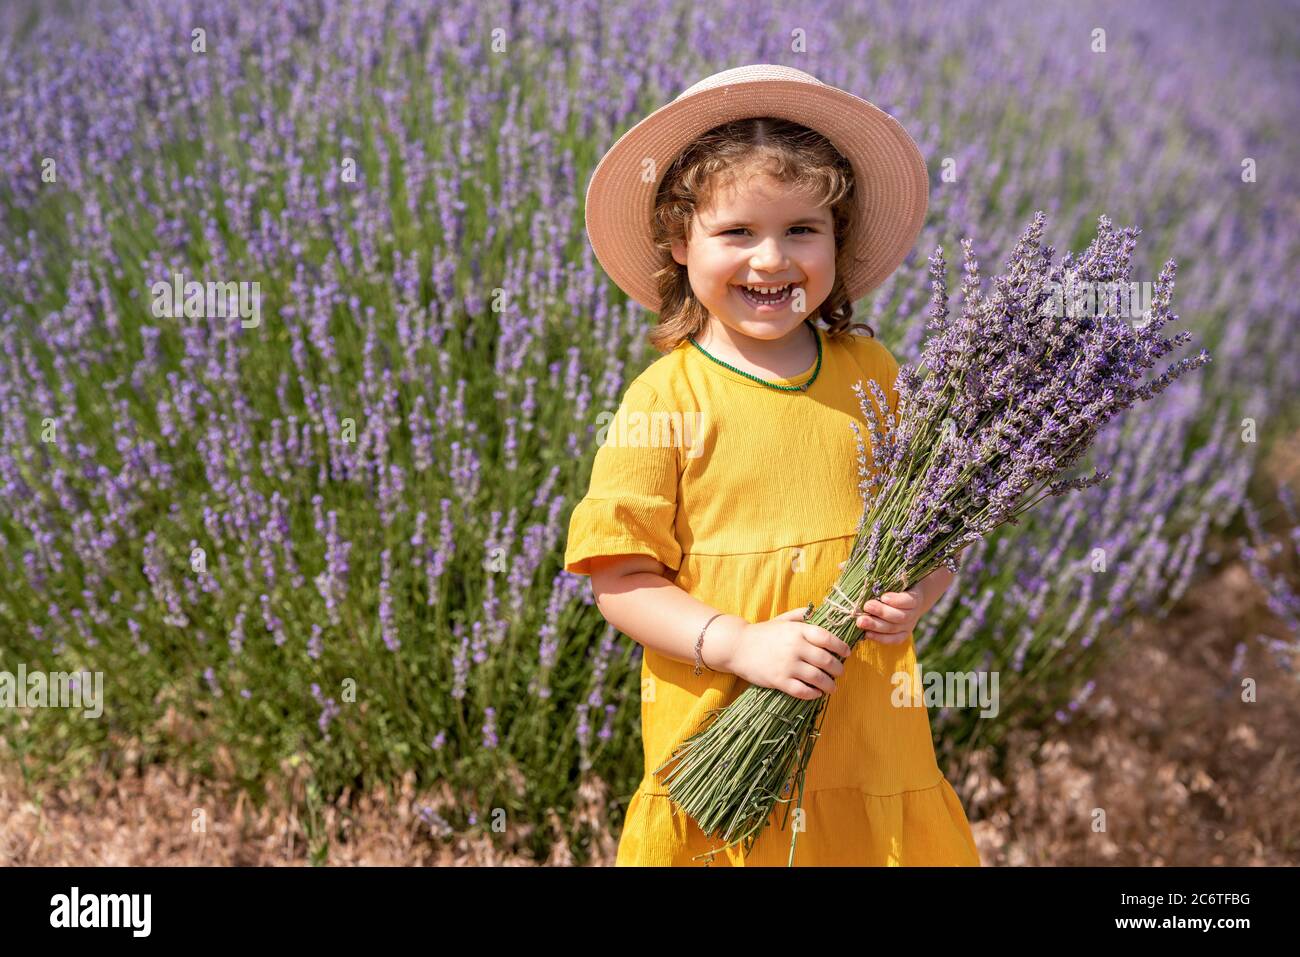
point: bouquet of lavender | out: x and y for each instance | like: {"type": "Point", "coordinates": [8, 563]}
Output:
{"type": "Point", "coordinates": [1013, 394]}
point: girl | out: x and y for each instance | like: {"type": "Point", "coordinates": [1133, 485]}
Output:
{"type": "Point", "coordinates": [722, 500]}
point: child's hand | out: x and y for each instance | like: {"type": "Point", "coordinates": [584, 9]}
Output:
{"type": "Point", "coordinates": [893, 616]}
{"type": "Point", "coordinates": [790, 655]}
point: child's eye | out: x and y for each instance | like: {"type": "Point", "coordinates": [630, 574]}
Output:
{"type": "Point", "coordinates": [741, 229]}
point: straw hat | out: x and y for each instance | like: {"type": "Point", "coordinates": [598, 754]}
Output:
{"type": "Point", "coordinates": [892, 191]}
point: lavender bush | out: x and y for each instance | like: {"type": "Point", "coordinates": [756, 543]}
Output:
{"type": "Point", "coordinates": [334, 536]}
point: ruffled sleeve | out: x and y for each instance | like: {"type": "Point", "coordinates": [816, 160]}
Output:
{"type": "Point", "coordinates": [631, 505]}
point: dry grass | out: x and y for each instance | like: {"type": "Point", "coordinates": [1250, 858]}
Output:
{"type": "Point", "coordinates": [146, 819]}
{"type": "Point", "coordinates": [1185, 771]}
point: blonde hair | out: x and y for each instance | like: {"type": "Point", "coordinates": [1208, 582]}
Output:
{"type": "Point", "coordinates": [793, 154]}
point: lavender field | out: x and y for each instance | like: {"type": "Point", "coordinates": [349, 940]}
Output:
{"type": "Point", "coordinates": [323, 529]}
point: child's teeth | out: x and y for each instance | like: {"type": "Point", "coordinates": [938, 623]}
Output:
{"type": "Point", "coordinates": [767, 296]}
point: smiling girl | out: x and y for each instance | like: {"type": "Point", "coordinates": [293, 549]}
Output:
{"type": "Point", "coordinates": [752, 246]}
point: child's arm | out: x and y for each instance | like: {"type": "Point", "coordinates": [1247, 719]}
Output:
{"type": "Point", "coordinates": [635, 597]}
{"type": "Point", "coordinates": [786, 653]}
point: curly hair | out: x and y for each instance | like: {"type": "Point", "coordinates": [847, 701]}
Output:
{"type": "Point", "coordinates": [793, 154]}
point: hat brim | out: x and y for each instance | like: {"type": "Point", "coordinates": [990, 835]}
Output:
{"type": "Point", "coordinates": [892, 182]}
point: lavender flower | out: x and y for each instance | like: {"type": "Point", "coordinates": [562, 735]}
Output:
{"type": "Point", "coordinates": [387, 623]}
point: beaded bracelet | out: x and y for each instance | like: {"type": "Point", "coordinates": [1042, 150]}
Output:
{"type": "Point", "coordinates": [699, 643]}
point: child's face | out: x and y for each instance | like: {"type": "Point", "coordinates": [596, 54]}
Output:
{"type": "Point", "coordinates": [759, 233]}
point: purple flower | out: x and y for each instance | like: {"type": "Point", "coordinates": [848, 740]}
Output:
{"type": "Point", "coordinates": [388, 627]}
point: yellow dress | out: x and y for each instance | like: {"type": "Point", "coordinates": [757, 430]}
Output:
{"type": "Point", "coordinates": [750, 498]}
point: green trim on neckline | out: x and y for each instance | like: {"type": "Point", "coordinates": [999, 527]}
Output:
{"type": "Point", "coordinates": [801, 387]}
